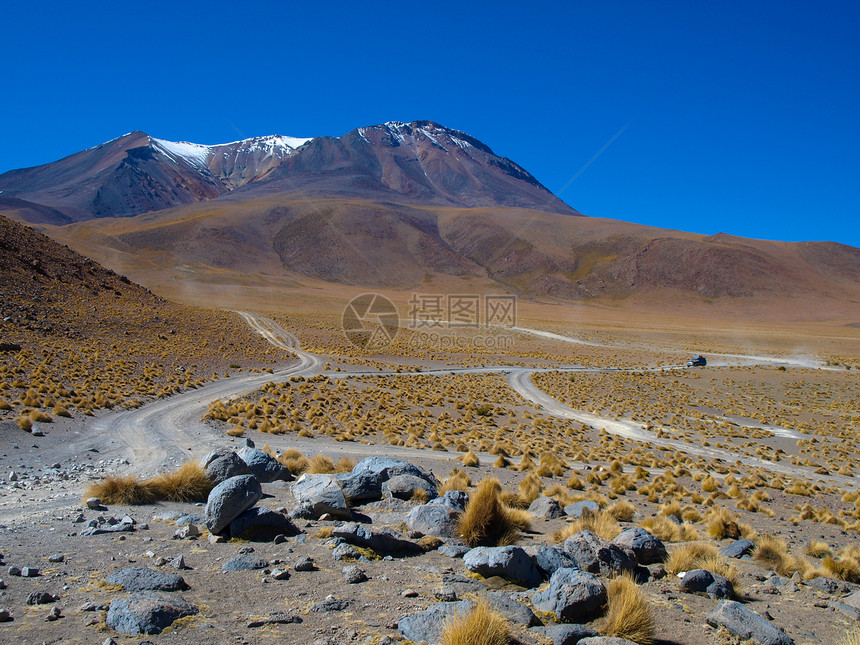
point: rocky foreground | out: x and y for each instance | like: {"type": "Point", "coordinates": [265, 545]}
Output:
{"type": "Point", "coordinates": [354, 557]}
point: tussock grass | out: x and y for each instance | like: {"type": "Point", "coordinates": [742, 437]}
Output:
{"type": "Point", "coordinates": [818, 549]}
{"type": "Point", "coordinates": [471, 459]}
{"type": "Point", "coordinates": [320, 464]}
{"type": "Point", "coordinates": [700, 555]}
{"type": "Point", "coordinates": [622, 511]}
{"type": "Point", "coordinates": [487, 521]}
{"type": "Point", "coordinates": [773, 552]}
{"type": "Point", "coordinates": [668, 531]}
{"type": "Point", "coordinates": [481, 626]}
{"type": "Point", "coordinates": [344, 465]}
{"type": "Point", "coordinates": [188, 483]}
{"type": "Point", "coordinates": [602, 523]}
{"type": "Point", "coordinates": [458, 480]}
{"type": "Point", "coordinates": [294, 460]}
{"type": "Point", "coordinates": [628, 614]}
{"type": "Point", "coordinates": [845, 565]}
{"type": "Point", "coordinates": [722, 524]}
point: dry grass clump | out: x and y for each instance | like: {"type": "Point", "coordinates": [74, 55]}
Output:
{"type": "Point", "coordinates": [628, 614]}
{"type": "Point", "coordinates": [773, 552]}
{"type": "Point", "coordinates": [669, 531]}
{"type": "Point", "coordinates": [818, 549]}
{"type": "Point", "coordinates": [845, 565]}
{"type": "Point", "coordinates": [320, 464]}
{"type": "Point", "coordinates": [700, 555]}
{"type": "Point", "coordinates": [851, 638]}
{"type": "Point", "coordinates": [602, 523]}
{"type": "Point", "coordinates": [622, 511]}
{"type": "Point", "coordinates": [188, 483]}
{"type": "Point", "coordinates": [294, 460]}
{"type": "Point", "coordinates": [344, 465]}
{"type": "Point", "coordinates": [471, 459]}
{"type": "Point", "coordinates": [487, 521]}
{"type": "Point", "coordinates": [481, 626]}
{"type": "Point", "coordinates": [722, 524]}
{"type": "Point", "coordinates": [458, 480]}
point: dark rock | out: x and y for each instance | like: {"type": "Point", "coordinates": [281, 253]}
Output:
{"type": "Point", "coordinates": [406, 486]}
{"type": "Point", "coordinates": [738, 549]}
{"type": "Point", "coordinates": [605, 640]}
{"type": "Point", "coordinates": [222, 464]}
{"type": "Point", "coordinates": [276, 618]}
{"type": "Point", "coordinates": [456, 499]}
{"type": "Point", "coordinates": [229, 499]}
{"type": "Point", "coordinates": [578, 508]}
{"type": "Point", "coordinates": [147, 612]}
{"type": "Point", "coordinates": [511, 609]}
{"type": "Point", "coordinates": [384, 468]}
{"type": "Point", "coordinates": [454, 550]}
{"type": "Point", "coordinates": [744, 623]}
{"type": "Point", "coordinates": [434, 519]}
{"type": "Point", "coordinates": [427, 625]}
{"type": "Point", "coordinates": [703, 581]}
{"type": "Point", "coordinates": [261, 524]}
{"type": "Point", "coordinates": [573, 596]}
{"type": "Point", "coordinates": [322, 494]}
{"type": "Point", "coordinates": [144, 579]}
{"type": "Point", "coordinates": [848, 610]}
{"type": "Point", "coordinates": [383, 542]}
{"type": "Point", "coordinates": [244, 563]}
{"type": "Point", "coordinates": [596, 555]}
{"type": "Point", "coordinates": [546, 507]}
{"type": "Point", "coordinates": [360, 487]}
{"type": "Point", "coordinates": [564, 634]}
{"type": "Point", "coordinates": [330, 604]}
{"type": "Point", "coordinates": [509, 562]}
{"type": "Point", "coordinates": [189, 518]}
{"type": "Point", "coordinates": [121, 527]}
{"type": "Point", "coordinates": [647, 548]}
{"type": "Point", "coordinates": [265, 467]}
{"type": "Point", "coordinates": [41, 598]}
{"type": "Point", "coordinates": [549, 560]}
{"type": "Point", "coordinates": [353, 574]}
{"type": "Point", "coordinates": [29, 572]}
{"type": "Point", "coordinates": [305, 564]}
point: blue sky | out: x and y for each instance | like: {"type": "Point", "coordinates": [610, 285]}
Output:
{"type": "Point", "coordinates": [740, 117]}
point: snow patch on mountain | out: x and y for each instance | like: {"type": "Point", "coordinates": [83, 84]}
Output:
{"type": "Point", "coordinates": [193, 153]}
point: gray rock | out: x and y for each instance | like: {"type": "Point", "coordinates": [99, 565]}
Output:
{"type": "Point", "coordinates": [144, 579]}
{"type": "Point", "coordinates": [573, 596]}
{"type": "Point", "coordinates": [168, 516]}
{"type": "Point", "coordinates": [405, 486]}
{"type": "Point", "coordinates": [360, 487]}
{"type": "Point", "coordinates": [186, 532]}
{"type": "Point", "coordinates": [549, 560]}
{"type": "Point", "coordinates": [383, 542]}
{"type": "Point", "coordinates": [229, 499]}
{"type": "Point", "coordinates": [744, 623]}
{"type": "Point", "coordinates": [454, 550]}
{"type": "Point", "coordinates": [322, 494]}
{"type": "Point", "coordinates": [703, 581]}
{"type": "Point", "coordinates": [244, 563]}
{"type": "Point", "coordinates": [546, 507]}
{"type": "Point", "coordinates": [578, 508]}
{"type": "Point", "coordinates": [305, 564]}
{"type": "Point", "coordinates": [605, 640]}
{"type": "Point", "coordinates": [353, 574]}
{"type": "Point", "coordinates": [330, 604]}
{"type": "Point", "coordinates": [564, 634]}
{"type": "Point", "coordinates": [456, 499]}
{"type": "Point", "coordinates": [261, 524]}
{"type": "Point", "coordinates": [121, 527]}
{"type": "Point", "coordinates": [57, 557]}
{"type": "Point", "coordinates": [41, 598]}
{"type": "Point", "coordinates": [596, 555]}
{"type": "Point", "coordinates": [347, 552]}
{"type": "Point", "coordinates": [280, 574]}
{"type": "Point", "coordinates": [222, 464]}
{"type": "Point", "coordinates": [848, 610]}
{"type": "Point", "coordinates": [738, 549]}
{"type": "Point", "coordinates": [178, 563]}
{"type": "Point", "coordinates": [265, 467]}
{"type": "Point", "coordinates": [853, 600]}
{"type": "Point", "coordinates": [434, 519]}
{"type": "Point", "coordinates": [509, 562]}
{"type": "Point", "coordinates": [384, 468]}
{"type": "Point", "coordinates": [647, 548]}
{"type": "Point", "coordinates": [29, 572]}
{"type": "Point", "coordinates": [276, 618]}
{"type": "Point", "coordinates": [94, 503]}
{"type": "Point", "coordinates": [5, 615]}
{"type": "Point", "coordinates": [189, 518]}
{"type": "Point", "coordinates": [427, 625]}
{"type": "Point", "coordinates": [147, 612]}
{"type": "Point", "coordinates": [511, 609]}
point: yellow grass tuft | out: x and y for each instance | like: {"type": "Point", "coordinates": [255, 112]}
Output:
{"type": "Point", "coordinates": [818, 549]}
{"type": "Point", "coordinates": [344, 465]}
{"type": "Point", "coordinates": [722, 524]}
{"type": "Point", "coordinates": [773, 552]}
{"type": "Point", "coordinates": [481, 626]}
{"type": "Point", "coordinates": [471, 459]}
{"type": "Point", "coordinates": [458, 480]}
{"type": "Point", "coordinates": [700, 555]}
{"type": "Point", "coordinates": [668, 531]}
{"type": "Point", "coordinates": [320, 464]}
{"type": "Point", "coordinates": [124, 489]}
{"type": "Point", "coordinates": [629, 615]}
{"type": "Point", "coordinates": [188, 483]}
{"type": "Point", "coordinates": [294, 460]}
{"type": "Point", "coordinates": [851, 638]}
{"type": "Point", "coordinates": [486, 520]}
{"type": "Point", "coordinates": [602, 523]}
{"type": "Point", "coordinates": [623, 511]}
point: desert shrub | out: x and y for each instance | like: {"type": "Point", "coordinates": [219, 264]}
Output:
{"type": "Point", "coordinates": [845, 565]}
{"type": "Point", "coordinates": [320, 464]}
{"type": "Point", "coordinates": [700, 555]}
{"type": "Point", "coordinates": [124, 489]}
{"type": "Point", "coordinates": [458, 480]}
{"type": "Point", "coordinates": [471, 459]}
{"type": "Point", "coordinates": [188, 483]}
{"type": "Point", "coordinates": [818, 549]}
{"type": "Point", "coordinates": [486, 520]}
{"type": "Point", "coordinates": [722, 524]}
{"type": "Point", "coordinates": [235, 431]}
{"type": "Point", "coordinates": [344, 465]}
{"type": "Point", "coordinates": [669, 531]}
{"type": "Point", "coordinates": [628, 614]}
{"type": "Point", "coordinates": [481, 626]}
{"type": "Point", "coordinates": [622, 511]}
{"type": "Point", "coordinates": [294, 460]}
{"type": "Point", "coordinates": [575, 482]}
{"type": "Point", "coordinates": [602, 523]}
{"type": "Point", "coordinates": [773, 552]}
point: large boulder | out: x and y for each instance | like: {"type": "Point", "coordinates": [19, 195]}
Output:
{"type": "Point", "coordinates": [244, 563]}
{"type": "Point", "coordinates": [513, 610]}
{"type": "Point", "coordinates": [434, 519]}
{"type": "Point", "coordinates": [509, 562]}
{"type": "Point", "coordinates": [144, 579]}
{"type": "Point", "coordinates": [549, 560]}
{"type": "Point", "coordinates": [546, 507]}
{"type": "Point", "coordinates": [427, 625]}
{"type": "Point", "coordinates": [746, 624]}
{"type": "Point", "coordinates": [321, 493]}
{"type": "Point", "coordinates": [384, 468]}
{"type": "Point", "coordinates": [647, 548]}
{"type": "Point", "coordinates": [406, 487]}
{"type": "Point", "coordinates": [360, 487]}
{"type": "Point", "coordinates": [222, 464]}
{"type": "Point", "coordinates": [383, 542]}
{"type": "Point", "coordinates": [456, 499]}
{"type": "Point", "coordinates": [704, 581]}
{"type": "Point", "coordinates": [265, 467]}
{"type": "Point", "coordinates": [573, 596]}
{"type": "Point", "coordinates": [596, 555]}
{"type": "Point", "coordinates": [229, 499]}
{"type": "Point", "coordinates": [147, 612]}
{"type": "Point", "coordinates": [578, 509]}
{"type": "Point", "coordinates": [261, 524]}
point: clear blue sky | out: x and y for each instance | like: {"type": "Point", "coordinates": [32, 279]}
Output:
{"type": "Point", "coordinates": [741, 117]}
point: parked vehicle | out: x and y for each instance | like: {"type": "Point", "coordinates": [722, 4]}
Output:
{"type": "Point", "coordinates": [697, 361]}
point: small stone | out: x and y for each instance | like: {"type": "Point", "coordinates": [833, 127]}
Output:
{"type": "Point", "coordinates": [29, 572]}
{"type": "Point", "coordinates": [54, 614]}
{"type": "Point", "coordinates": [187, 531]}
{"type": "Point", "coordinates": [354, 575]}
{"type": "Point", "coordinates": [57, 557]}
{"type": "Point", "coordinates": [304, 564]}
{"type": "Point", "coordinates": [409, 593]}
{"type": "Point", "coordinates": [216, 539]}
{"type": "Point", "coordinates": [40, 598]}
{"type": "Point", "coordinates": [280, 539]}
{"type": "Point", "coordinates": [5, 615]}
{"type": "Point", "coordinates": [280, 574]}
{"type": "Point", "coordinates": [13, 571]}
{"type": "Point", "coordinates": [178, 563]}
{"type": "Point", "coordinates": [94, 503]}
